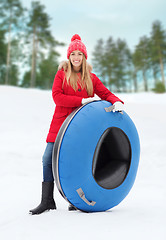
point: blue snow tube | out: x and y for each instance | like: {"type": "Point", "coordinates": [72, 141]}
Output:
{"type": "Point", "coordinates": [95, 157]}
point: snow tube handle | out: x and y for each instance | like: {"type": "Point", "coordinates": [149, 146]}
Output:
{"type": "Point", "coordinates": [111, 108]}
{"type": "Point", "coordinates": [82, 196]}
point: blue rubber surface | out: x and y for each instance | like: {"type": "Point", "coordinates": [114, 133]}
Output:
{"type": "Point", "coordinates": [76, 156]}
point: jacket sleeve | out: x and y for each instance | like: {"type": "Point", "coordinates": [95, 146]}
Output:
{"type": "Point", "coordinates": [58, 95]}
{"type": "Point", "coordinates": [103, 92]}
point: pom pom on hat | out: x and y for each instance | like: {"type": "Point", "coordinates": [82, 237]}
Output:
{"type": "Point", "coordinates": [75, 37]}
{"type": "Point", "coordinates": [76, 44]}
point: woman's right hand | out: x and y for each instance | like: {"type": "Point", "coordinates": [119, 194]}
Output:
{"type": "Point", "coordinates": [62, 65]}
{"type": "Point", "coordinates": [90, 99]}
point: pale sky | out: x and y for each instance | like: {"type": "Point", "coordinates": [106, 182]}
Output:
{"type": "Point", "coordinates": [95, 19]}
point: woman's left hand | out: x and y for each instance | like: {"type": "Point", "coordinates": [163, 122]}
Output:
{"type": "Point", "coordinates": [118, 106]}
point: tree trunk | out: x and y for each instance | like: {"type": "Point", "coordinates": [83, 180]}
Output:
{"type": "Point", "coordinates": [161, 64]}
{"type": "Point", "coordinates": [135, 82]}
{"type": "Point", "coordinates": [8, 51]}
{"type": "Point", "coordinates": [162, 70]}
{"type": "Point", "coordinates": [145, 81]}
{"type": "Point", "coordinates": [124, 86]}
{"type": "Point", "coordinates": [154, 76]}
{"type": "Point", "coordinates": [33, 66]}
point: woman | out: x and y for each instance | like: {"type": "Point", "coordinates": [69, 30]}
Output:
{"type": "Point", "coordinates": [73, 86]}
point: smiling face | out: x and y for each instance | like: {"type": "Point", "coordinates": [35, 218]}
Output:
{"type": "Point", "coordinates": [76, 58]}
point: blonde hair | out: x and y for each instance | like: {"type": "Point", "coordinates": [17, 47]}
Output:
{"type": "Point", "coordinates": [73, 79]}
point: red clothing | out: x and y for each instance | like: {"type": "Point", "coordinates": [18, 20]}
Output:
{"type": "Point", "coordinates": [66, 100]}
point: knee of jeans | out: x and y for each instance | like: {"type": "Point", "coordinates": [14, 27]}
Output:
{"type": "Point", "coordinates": [47, 160]}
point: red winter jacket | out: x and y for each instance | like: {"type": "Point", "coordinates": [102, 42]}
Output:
{"type": "Point", "coordinates": [66, 100]}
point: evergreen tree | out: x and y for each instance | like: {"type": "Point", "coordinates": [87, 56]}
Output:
{"type": "Point", "coordinates": [2, 56]}
{"type": "Point", "coordinates": [110, 61]}
{"type": "Point", "coordinates": [11, 12]}
{"type": "Point", "coordinates": [133, 75]}
{"type": "Point", "coordinates": [98, 59]}
{"type": "Point", "coordinates": [115, 63]}
{"type": "Point", "coordinates": [40, 35]}
{"type": "Point", "coordinates": [122, 64]}
{"type": "Point", "coordinates": [141, 59]}
{"type": "Point", "coordinates": [14, 75]}
{"type": "Point", "coordinates": [47, 69]}
{"type": "Point", "coordinates": [25, 82]}
{"type": "Point", "coordinates": [158, 49]}
{"type": "Point", "coordinates": [154, 64]}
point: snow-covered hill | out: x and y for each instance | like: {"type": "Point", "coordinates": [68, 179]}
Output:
{"type": "Point", "coordinates": [25, 115]}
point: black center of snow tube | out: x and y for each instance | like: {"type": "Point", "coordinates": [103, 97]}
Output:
{"type": "Point", "coordinates": [112, 158]}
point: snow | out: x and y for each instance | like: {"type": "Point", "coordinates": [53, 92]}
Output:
{"type": "Point", "coordinates": [25, 115]}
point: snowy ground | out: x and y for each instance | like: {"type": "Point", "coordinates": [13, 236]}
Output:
{"type": "Point", "coordinates": [25, 116]}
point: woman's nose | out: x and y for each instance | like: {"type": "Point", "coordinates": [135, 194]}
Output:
{"type": "Point", "coordinates": [76, 58]}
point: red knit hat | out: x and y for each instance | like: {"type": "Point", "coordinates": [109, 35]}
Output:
{"type": "Point", "coordinates": [76, 44]}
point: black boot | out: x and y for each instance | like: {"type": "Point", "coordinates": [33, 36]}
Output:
{"type": "Point", "coordinates": [71, 208]}
{"type": "Point", "coordinates": [47, 200]}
